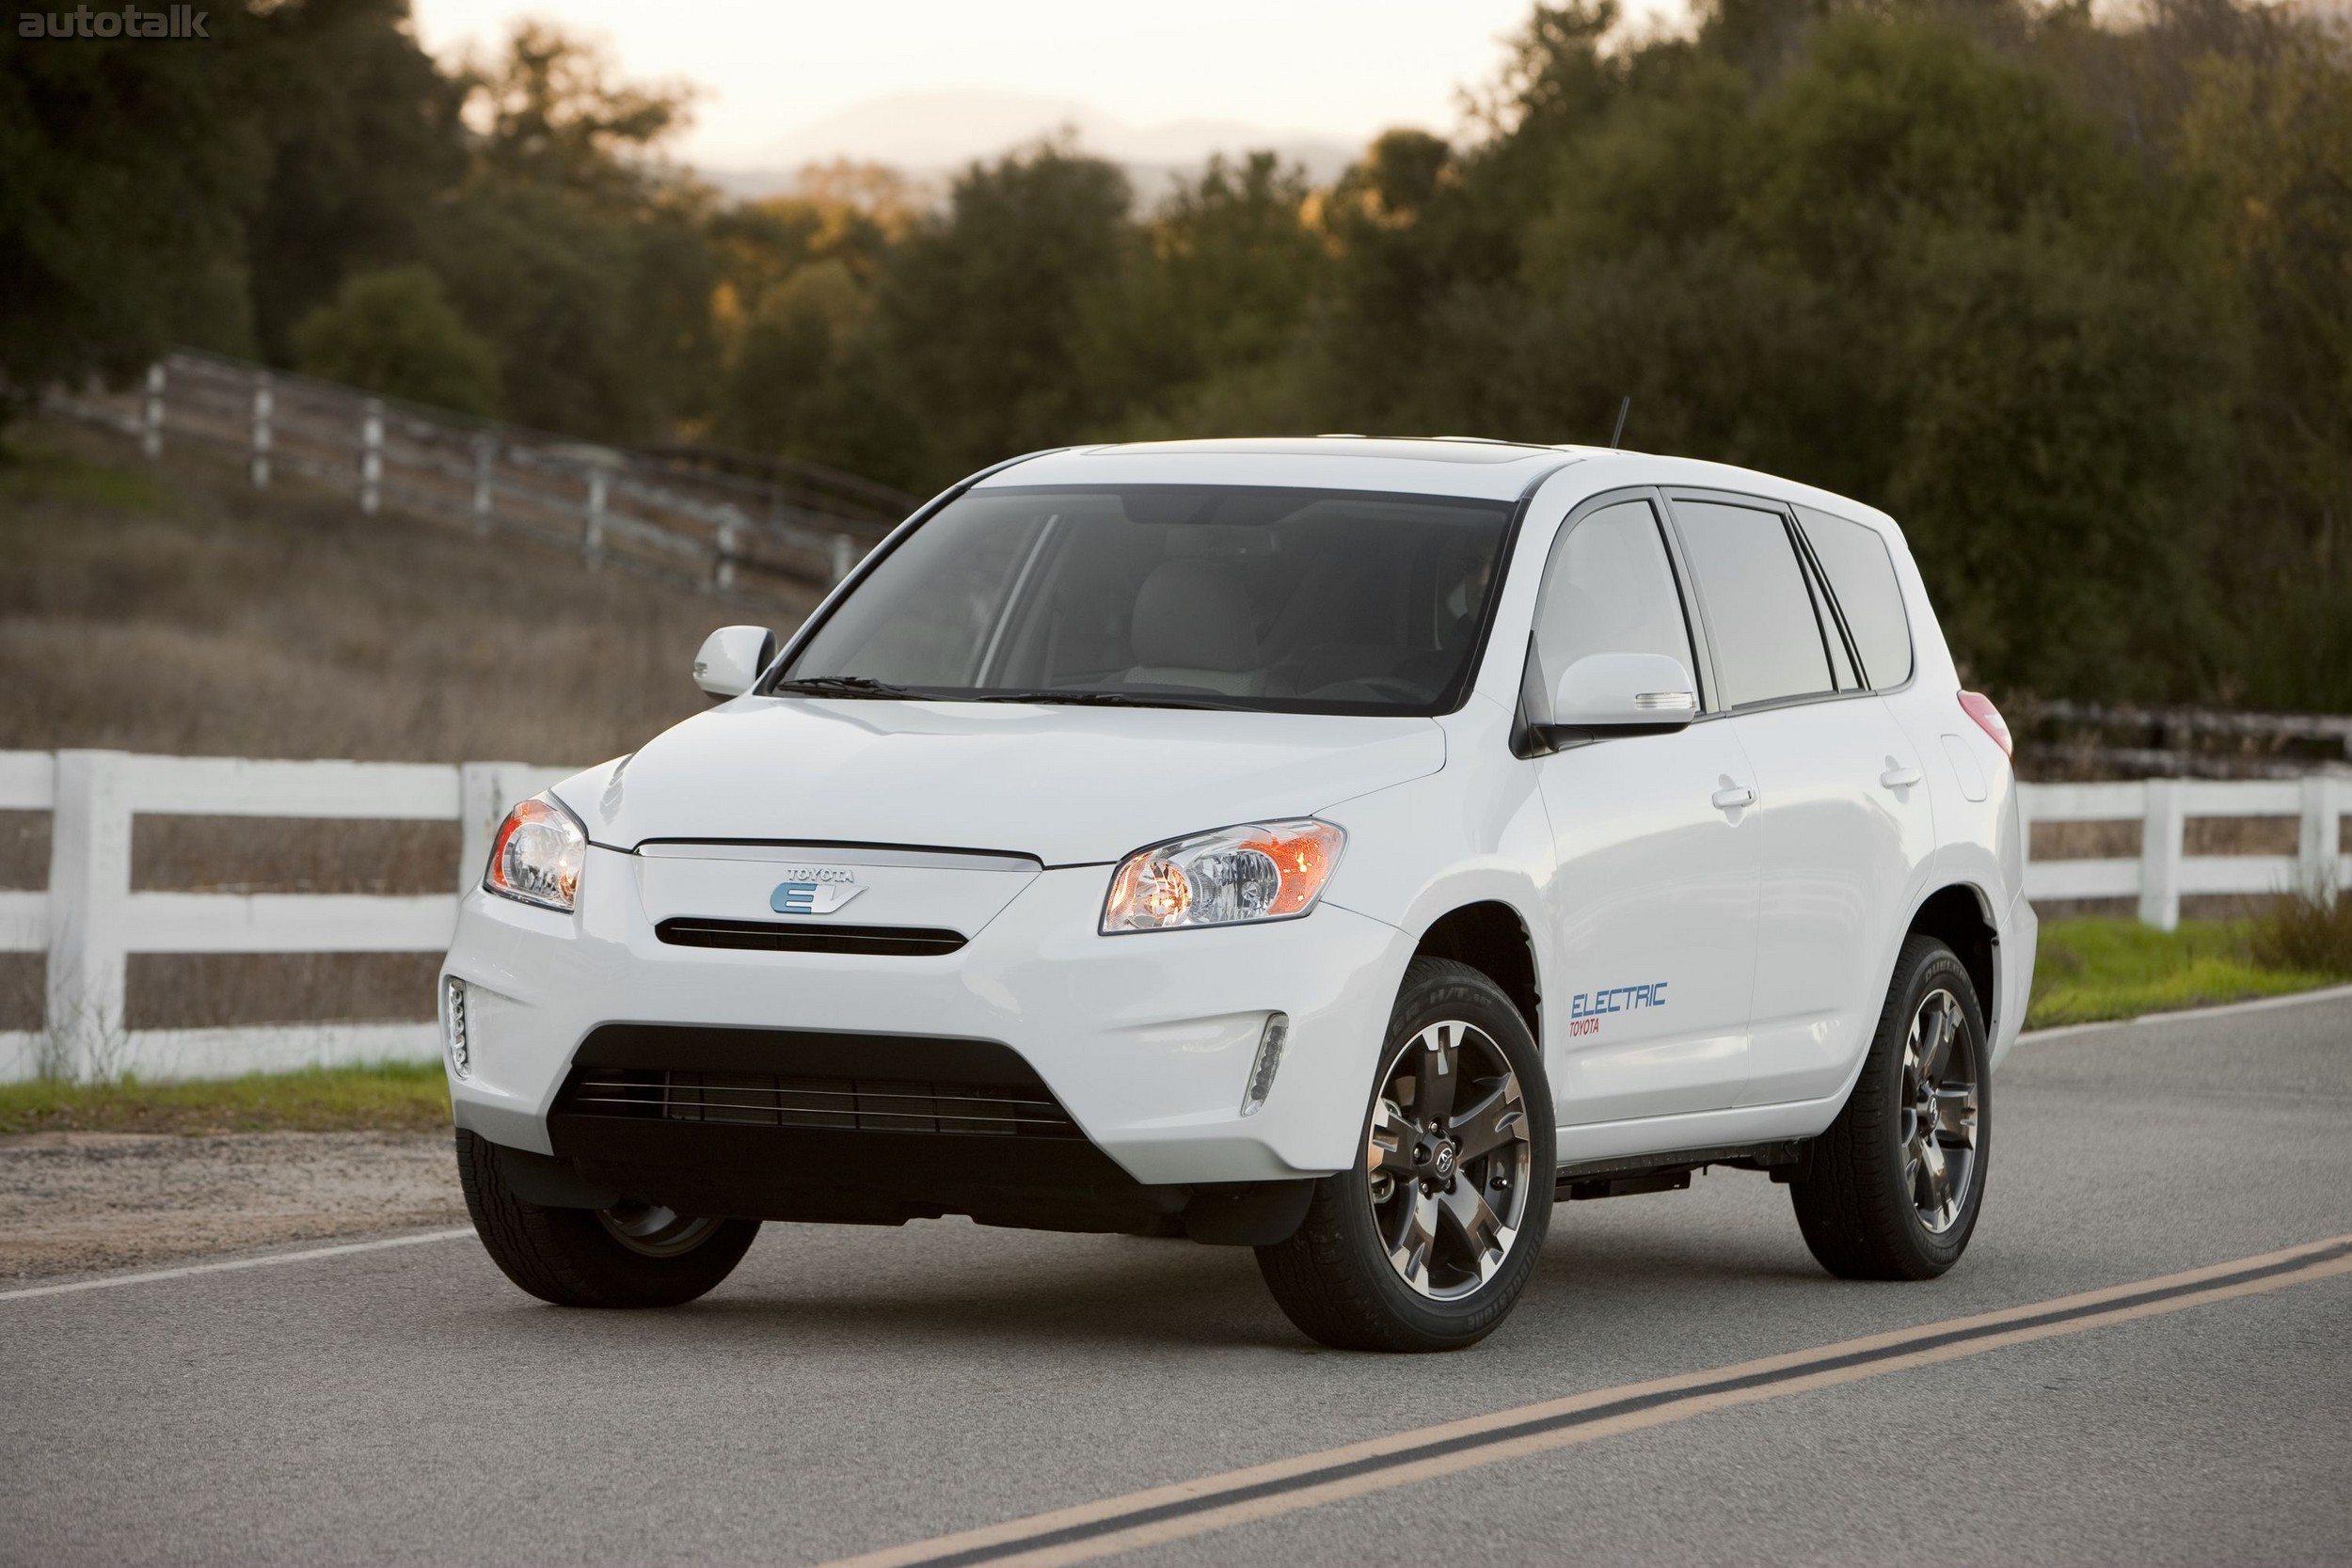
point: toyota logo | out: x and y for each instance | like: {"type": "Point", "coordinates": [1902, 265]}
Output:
{"type": "Point", "coordinates": [1443, 1164]}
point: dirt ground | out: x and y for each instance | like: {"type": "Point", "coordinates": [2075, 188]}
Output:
{"type": "Point", "coordinates": [77, 1201]}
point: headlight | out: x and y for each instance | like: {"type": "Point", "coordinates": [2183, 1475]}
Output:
{"type": "Point", "coordinates": [1260, 871]}
{"type": "Point", "coordinates": [537, 855]}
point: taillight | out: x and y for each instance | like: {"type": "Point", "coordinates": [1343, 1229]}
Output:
{"type": "Point", "coordinates": [1989, 719]}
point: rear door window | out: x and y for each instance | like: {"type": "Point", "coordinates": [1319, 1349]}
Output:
{"type": "Point", "coordinates": [1767, 641]}
{"type": "Point", "coordinates": [1862, 575]}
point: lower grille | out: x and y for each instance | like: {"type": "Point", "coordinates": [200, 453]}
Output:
{"type": "Point", "coordinates": [870, 1104]}
{"type": "Point", "coordinates": [771, 936]}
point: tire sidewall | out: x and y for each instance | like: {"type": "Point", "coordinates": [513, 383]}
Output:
{"type": "Point", "coordinates": [1936, 968]}
{"type": "Point", "coordinates": [1432, 995]}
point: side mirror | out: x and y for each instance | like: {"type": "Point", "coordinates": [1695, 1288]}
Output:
{"type": "Point", "coordinates": [732, 659]}
{"type": "Point", "coordinates": [1602, 691]}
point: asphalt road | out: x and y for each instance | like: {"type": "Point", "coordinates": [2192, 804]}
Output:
{"type": "Point", "coordinates": [850, 1390]}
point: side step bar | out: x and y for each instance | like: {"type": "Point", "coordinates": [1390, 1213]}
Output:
{"type": "Point", "coordinates": [1584, 1180]}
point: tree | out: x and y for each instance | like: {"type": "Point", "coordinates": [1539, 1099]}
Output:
{"type": "Point", "coordinates": [981, 312]}
{"type": "Point", "coordinates": [2271, 141]}
{"type": "Point", "coordinates": [1212, 293]}
{"type": "Point", "coordinates": [364, 144]}
{"type": "Point", "coordinates": [576, 250]}
{"type": "Point", "coordinates": [131, 168]}
{"type": "Point", "coordinates": [394, 332]}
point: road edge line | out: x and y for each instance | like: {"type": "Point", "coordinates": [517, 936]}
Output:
{"type": "Point", "coordinates": [2207, 1283]}
{"type": "Point", "coordinates": [232, 1264]}
{"type": "Point", "coordinates": [2225, 1010]}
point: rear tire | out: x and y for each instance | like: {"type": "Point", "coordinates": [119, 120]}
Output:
{"type": "Point", "coordinates": [631, 1255]}
{"type": "Point", "coordinates": [1426, 1244]}
{"type": "Point", "coordinates": [1893, 1189]}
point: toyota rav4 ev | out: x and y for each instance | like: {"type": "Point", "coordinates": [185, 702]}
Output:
{"type": "Point", "coordinates": [1346, 848]}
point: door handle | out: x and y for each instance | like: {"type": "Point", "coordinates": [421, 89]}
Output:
{"type": "Point", "coordinates": [1733, 797]}
{"type": "Point", "coordinates": [1898, 777]}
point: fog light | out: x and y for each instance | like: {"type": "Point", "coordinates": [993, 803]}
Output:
{"type": "Point", "coordinates": [453, 1025]}
{"type": "Point", "coordinates": [1278, 1028]}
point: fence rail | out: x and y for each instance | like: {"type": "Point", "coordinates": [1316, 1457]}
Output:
{"type": "Point", "coordinates": [2132, 740]}
{"type": "Point", "coordinates": [2163, 873]}
{"type": "Point", "coordinates": [88, 921]}
{"type": "Point", "coordinates": [726, 522]}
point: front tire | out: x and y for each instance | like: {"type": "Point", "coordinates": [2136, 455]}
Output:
{"type": "Point", "coordinates": [1893, 1189]}
{"type": "Point", "coordinates": [1427, 1242]}
{"type": "Point", "coordinates": [632, 1254]}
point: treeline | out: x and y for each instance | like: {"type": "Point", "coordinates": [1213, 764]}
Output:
{"type": "Point", "coordinates": [2070, 297]}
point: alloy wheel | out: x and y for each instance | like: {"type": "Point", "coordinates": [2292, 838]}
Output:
{"type": "Point", "coordinates": [1939, 1111]}
{"type": "Point", "coordinates": [1447, 1161]}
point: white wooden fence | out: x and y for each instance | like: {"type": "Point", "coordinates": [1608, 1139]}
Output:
{"type": "Point", "coordinates": [2163, 872]}
{"type": "Point", "coordinates": [88, 921]}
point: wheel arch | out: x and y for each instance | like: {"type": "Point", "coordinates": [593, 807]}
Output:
{"type": "Point", "coordinates": [1959, 916]}
{"type": "Point", "coordinates": [1493, 937]}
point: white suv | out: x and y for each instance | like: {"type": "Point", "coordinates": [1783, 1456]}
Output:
{"type": "Point", "coordinates": [1341, 847]}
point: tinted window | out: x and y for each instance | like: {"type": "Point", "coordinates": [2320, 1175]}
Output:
{"type": "Point", "coordinates": [1608, 590]}
{"type": "Point", "coordinates": [1862, 575]}
{"type": "Point", "coordinates": [1759, 613]}
{"type": "Point", "coordinates": [1291, 600]}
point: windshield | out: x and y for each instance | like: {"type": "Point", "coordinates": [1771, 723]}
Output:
{"type": "Point", "coordinates": [1280, 600]}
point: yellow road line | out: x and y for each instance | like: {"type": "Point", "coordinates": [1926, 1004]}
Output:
{"type": "Point", "coordinates": [1172, 1513]}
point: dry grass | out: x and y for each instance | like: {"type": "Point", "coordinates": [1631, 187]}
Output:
{"type": "Point", "coordinates": [179, 611]}
{"type": "Point", "coordinates": [175, 610]}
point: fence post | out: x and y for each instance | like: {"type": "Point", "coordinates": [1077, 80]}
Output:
{"type": "Point", "coordinates": [844, 556]}
{"type": "Point", "coordinates": [151, 413]}
{"type": "Point", "coordinates": [263, 401]}
{"type": "Point", "coordinates": [2319, 842]}
{"type": "Point", "coordinates": [89, 878]}
{"type": "Point", "coordinates": [2160, 834]}
{"type": "Point", "coordinates": [484, 799]}
{"type": "Point", "coordinates": [592, 535]}
{"type": "Point", "coordinates": [372, 456]}
{"type": "Point", "coordinates": [722, 552]}
{"type": "Point", "coordinates": [485, 457]}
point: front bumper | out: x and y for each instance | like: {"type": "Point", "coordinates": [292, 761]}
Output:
{"type": "Point", "coordinates": [1146, 1039]}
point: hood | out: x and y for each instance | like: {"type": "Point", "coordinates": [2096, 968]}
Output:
{"type": "Point", "coordinates": [1069, 786]}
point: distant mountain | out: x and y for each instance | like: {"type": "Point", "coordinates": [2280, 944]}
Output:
{"type": "Point", "coordinates": [930, 134]}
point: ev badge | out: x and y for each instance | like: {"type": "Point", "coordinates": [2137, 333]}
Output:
{"type": "Point", "coordinates": [813, 890]}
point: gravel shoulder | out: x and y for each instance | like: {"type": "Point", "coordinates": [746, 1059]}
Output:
{"type": "Point", "coordinates": [71, 1202]}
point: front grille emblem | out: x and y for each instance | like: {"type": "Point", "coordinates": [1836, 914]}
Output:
{"type": "Point", "coordinates": [814, 890]}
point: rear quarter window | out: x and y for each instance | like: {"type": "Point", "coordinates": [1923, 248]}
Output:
{"type": "Point", "coordinates": [1862, 575]}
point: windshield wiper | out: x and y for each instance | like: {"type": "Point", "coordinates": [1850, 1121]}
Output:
{"type": "Point", "coordinates": [1082, 698]}
{"type": "Point", "coordinates": [846, 686]}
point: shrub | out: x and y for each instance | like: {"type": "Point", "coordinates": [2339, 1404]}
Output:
{"type": "Point", "coordinates": [2310, 929]}
{"type": "Point", "coordinates": [394, 332]}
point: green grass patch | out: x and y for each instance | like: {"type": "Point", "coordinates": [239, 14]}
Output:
{"type": "Point", "coordinates": [391, 1097]}
{"type": "Point", "coordinates": [33, 469]}
{"type": "Point", "coordinates": [2088, 970]}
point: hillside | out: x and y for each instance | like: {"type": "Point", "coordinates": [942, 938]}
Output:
{"type": "Point", "coordinates": [172, 607]}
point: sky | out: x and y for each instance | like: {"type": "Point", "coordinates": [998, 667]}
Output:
{"type": "Point", "coordinates": [779, 79]}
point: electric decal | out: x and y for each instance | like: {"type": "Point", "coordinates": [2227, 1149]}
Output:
{"type": "Point", "coordinates": [1587, 1009]}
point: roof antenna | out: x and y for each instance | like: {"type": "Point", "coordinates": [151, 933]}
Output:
{"type": "Point", "coordinates": [1623, 409]}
